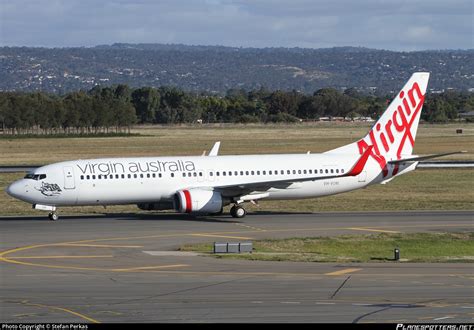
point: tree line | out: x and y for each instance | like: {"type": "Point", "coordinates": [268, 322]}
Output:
{"type": "Point", "coordinates": [116, 108]}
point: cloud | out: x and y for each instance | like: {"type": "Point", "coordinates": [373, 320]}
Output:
{"type": "Point", "coordinates": [402, 25]}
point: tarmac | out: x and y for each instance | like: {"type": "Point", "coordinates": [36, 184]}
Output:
{"type": "Point", "coordinates": [126, 268]}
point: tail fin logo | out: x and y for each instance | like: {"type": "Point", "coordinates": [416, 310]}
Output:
{"type": "Point", "coordinates": [394, 128]}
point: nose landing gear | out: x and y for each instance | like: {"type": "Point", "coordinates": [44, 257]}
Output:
{"type": "Point", "coordinates": [53, 216]}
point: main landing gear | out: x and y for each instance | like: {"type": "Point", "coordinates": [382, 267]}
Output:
{"type": "Point", "coordinates": [238, 211]}
{"type": "Point", "coordinates": [53, 216]}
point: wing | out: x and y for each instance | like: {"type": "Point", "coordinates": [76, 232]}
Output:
{"type": "Point", "coordinates": [417, 159]}
{"type": "Point", "coordinates": [245, 188]}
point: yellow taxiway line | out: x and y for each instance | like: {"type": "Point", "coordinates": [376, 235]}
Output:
{"type": "Point", "coordinates": [375, 230]}
{"type": "Point", "coordinates": [82, 316]}
{"type": "Point", "coordinates": [343, 271]}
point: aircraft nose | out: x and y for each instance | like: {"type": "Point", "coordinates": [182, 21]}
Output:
{"type": "Point", "coordinates": [16, 189]}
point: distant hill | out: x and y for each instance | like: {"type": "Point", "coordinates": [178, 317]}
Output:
{"type": "Point", "coordinates": [216, 69]}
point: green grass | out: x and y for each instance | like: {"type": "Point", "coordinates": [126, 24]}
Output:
{"type": "Point", "coordinates": [414, 247]}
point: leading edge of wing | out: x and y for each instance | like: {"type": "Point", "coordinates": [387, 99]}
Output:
{"type": "Point", "coordinates": [355, 170]}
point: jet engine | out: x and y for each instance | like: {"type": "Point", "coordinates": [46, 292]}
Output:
{"type": "Point", "coordinates": [198, 201]}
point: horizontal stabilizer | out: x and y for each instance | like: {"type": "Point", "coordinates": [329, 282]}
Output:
{"type": "Point", "coordinates": [417, 159]}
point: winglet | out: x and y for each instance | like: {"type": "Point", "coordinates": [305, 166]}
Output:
{"type": "Point", "coordinates": [359, 166]}
{"type": "Point", "coordinates": [215, 149]}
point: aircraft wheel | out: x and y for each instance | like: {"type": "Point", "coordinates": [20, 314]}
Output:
{"type": "Point", "coordinates": [238, 211]}
{"type": "Point", "coordinates": [53, 216]}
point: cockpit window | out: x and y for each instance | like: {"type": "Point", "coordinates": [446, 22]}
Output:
{"type": "Point", "coordinates": [35, 176]}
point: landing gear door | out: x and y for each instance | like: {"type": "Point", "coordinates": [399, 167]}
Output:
{"type": "Point", "coordinates": [69, 178]}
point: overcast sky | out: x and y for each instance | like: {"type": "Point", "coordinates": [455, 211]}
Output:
{"type": "Point", "coordinates": [382, 24]}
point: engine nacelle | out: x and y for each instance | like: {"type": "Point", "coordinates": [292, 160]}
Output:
{"type": "Point", "coordinates": [198, 201]}
{"type": "Point", "coordinates": [156, 206]}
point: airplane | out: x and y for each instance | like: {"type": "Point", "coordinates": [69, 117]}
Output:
{"type": "Point", "coordinates": [203, 185]}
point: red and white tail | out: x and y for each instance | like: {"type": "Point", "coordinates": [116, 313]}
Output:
{"type": "Point", "coordinates": [393, 135]}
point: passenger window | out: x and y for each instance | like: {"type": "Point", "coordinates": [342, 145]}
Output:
{"type": "Point", "coordinates": [82, 177]}
{"type": "Point", "coordinates": [217, 173]}
{"type": "Point", "coordinates": [288, 172]}
{"type": "Point", "coordinates": [195, 174]}
{"type": "Point", "coordinates": [241, 172]}
{"type": "Point", "coordinates": [42, 176]}
{"type": "Point", "coordinates": [342, 171]}
{"type": "Point", "coordinates": [282, 172]}
{"type": "Point", "coordinates": [332, 171]}
{"type": "Point", "coordinates": [304, 171]}
{"type": "Point", "coordinates": [236, 173]}
{"type": "Point", "coordinates": [264, 173]}
{"type": "Point", "coordinates": [200, 173]}
{"type": "Point", "coordinates": [129, 176]}
{"type": "Point", "coordinates": [310, 171]}
{"type": "Point", "coordinates": [337, 170]}
{"type": "Point", "coordinates": [299, 171]}
{"type": "Point", "coordinates": [153, 175]}
{"type": "Point", "coordinates": [88, 177]}
{"type": "Point", "coordinates": [93, 177]}
{"type": "Point", "coordinates": [230, 173]}
{"type": "Point", "coordinates": [123, 176]}
{"type": "Point", "coordinates": [184, 174]}
{"type": "Point", "coordinates": [160, 175]}
{"type": "Point", "coordinates": [246, 172]}
{"type": "Point", "coordinates": [294, 171]}
{"type": "Point", "coordinates": [99, 177]}
{"type": "Point", "coordinates": [211, 174]}
{"type": "Point", "coordinates": [327, 171]}
{"type": "Point", "coordinates": [252, 172]}
{"type": "Point", "coordinates": [321, 171]}
{"type": "Point", "coordinates": [270, 172]}
{"type": "Point", "coordinates": [172, 175]}
{"type": "Point", "coordinates": [148, 175]}
{"type": "Point", "coordinates": [117, 176]}
{"type": "Point", "coordinates": [223, 173]}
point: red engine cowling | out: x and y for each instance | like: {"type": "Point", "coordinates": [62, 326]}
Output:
{"type": "Point", "coordinates": [198, 201]}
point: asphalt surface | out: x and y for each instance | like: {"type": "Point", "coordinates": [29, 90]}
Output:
{"type": "Point", "coordinates": [124, 268]}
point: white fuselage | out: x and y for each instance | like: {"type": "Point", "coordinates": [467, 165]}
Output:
{"type": "Point", "coordinates": [110, 181]}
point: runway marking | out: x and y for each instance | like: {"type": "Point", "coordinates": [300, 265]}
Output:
{"type": "Point", "coordinates": [250, 227]}
{"type": "Point", "coordinates": [60, 257]}
{"type": "Point", "coordinates": [324, 303]}
{"type": "Point", "coordinates": [443, 318]}
{"type": "Point", "coordinates": [148, 267]}
{"type": "Point", "coordinates": [82, 316]}
{"type": "Point", "coordinates": [212, 235]}
{"type": "Point", "coordinates": [100, 245]}
{"type": "Point", "coordinates": [375, 230]}
{"type": "Point", "coordinates": [344, 271]}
